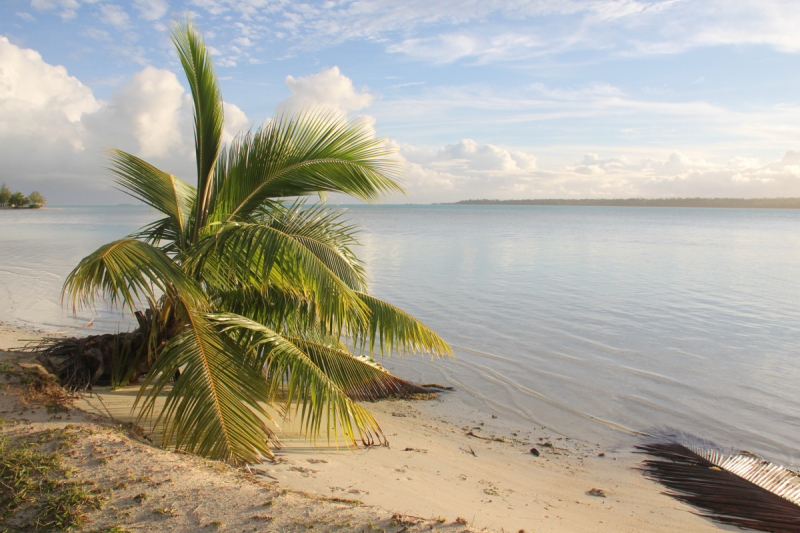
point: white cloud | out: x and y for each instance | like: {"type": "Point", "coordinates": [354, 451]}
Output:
{"type": "Point", "coordinates": [68, 8]}
{"type": "Point", "coordinates": [97, 34]}
{"type": "Point", "coordinates": [53, 130]}
{"type": "Point", "coordinates": [155, 105]}
{"type": "Point", "coordinates": [25, 15]}
{"type": "Point", "coordinates": [467, 170]}
{"type": "Point", "coordinates": [469, 156]}
{"type": "Point", "coordinates": [40, 100]}
{"type": "Point", "coordinates": [329, 89]}
{"type": "Point", "coordinates": [114, 15]}
{"type": "Point", "coordinates": [449, 30]}
{"type": "Point", "coordinates": [235, 122]}
{"type": "Point", "coordinates": [590, 113]}
{"type": "Point", "coordinates": [151, 9]}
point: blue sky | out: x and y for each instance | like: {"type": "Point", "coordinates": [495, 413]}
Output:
{"type": "Point", "coordinates": [514, 99]}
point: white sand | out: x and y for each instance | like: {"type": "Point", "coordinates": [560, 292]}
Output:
{"type": "Point", "coordinates": [433, 469]}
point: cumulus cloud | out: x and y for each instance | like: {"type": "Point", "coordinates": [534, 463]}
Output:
{"type": "Point", "coordinates": [463, 168]}
{"type": "Point", "coordinates": [40, 100]}
{"type": "Point", "coordinates": [235, 121]}
{"type": "Point", "coordinates": [329, 92]}
{"type": "Point", "coordinates": [470, 156]}
{"type": "Point", "coordinates": [155, 105]}
{"type": "Point", "coordinates": [53, 130]}
{"type": "Point", "coordinates": [329, 89]}
{"type": "Point", "coordinates": [468, 170]}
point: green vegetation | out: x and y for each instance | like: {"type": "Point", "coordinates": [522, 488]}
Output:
{"type": "Point", "coordinates": [758, 203]}
{"type": "Point", "coordinates": [35, 198]}
{"type": "Point", "coordinates": [17, 199]}
{"type": "Point", "coordinates": [5, 195]}
{"type": "Point", "coordinates": [35, 490]}
{"type": "Point", "coordinates": [260, 302]}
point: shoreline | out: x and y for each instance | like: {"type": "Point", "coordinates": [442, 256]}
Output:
{"type": "Point", "coordinates": [468, 467]}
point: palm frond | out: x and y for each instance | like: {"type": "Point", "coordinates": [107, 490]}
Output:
{"type": "Point", "coordinates": [320, 229]}
{"type": "Point", "coordinates": [282, 309]}
{"type": "Point", "coordinates": [208, 111]}
{"type": "Point", "coordinates": [691, 476]}
{"type": "Point", "coordinates": [395, 330]}
{"type": "Point", "coordinates": [215, 408]}
{"type": "Point", "coordinates": [302, 155]}
{"type": "Point", "coordinates": [254, 253]}
{"type": "Point", "coordinates": [361, 378]}
{"type": "Point", "coordinates": [158, 232]}
{"type": "Point", "coordinates": [126, 272]}
{"type": "Point", "coordinates": [308, 389]}
{"type": "Point", "coordinates": [164, 192]}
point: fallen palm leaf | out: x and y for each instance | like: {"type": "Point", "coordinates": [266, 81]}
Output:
{"type": "Point", "coordinates": [740, 489]}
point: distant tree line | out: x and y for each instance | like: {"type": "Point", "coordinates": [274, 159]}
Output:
{"type": "Point", "coordinates": [761, 203]}
{"type": "Point", "coordinates": [17, 199]}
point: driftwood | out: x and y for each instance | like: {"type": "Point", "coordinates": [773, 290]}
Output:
{"type": "Point", "coordinates": [115, 359]}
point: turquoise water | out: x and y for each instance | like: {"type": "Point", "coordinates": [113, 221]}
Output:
{"type": "Point", "coordinates": [596, 322]}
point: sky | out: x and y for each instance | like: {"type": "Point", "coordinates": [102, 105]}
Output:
{"type": "Point", "coordinates": [505, 99]}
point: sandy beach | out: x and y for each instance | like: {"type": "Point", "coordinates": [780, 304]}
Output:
{"type": "Point", "coordinates": [440, 471]}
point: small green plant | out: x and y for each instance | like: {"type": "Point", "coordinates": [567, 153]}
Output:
{"type": "Point", "coordinates": [141, 498]}
{"type": "Point", "coordinates": [462, 521]}
{"type": "Point", "coordinates": [166, 511]}
{"type": "Point", "coordinates": [217, 524]}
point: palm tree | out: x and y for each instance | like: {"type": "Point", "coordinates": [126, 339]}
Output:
{"type": "Point", "coordinates": [262, 303]}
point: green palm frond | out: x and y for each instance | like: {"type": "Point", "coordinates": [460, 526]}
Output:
{"type": "Point", "coordinates": [160, 190]}
{"type": "Point", "coordinates": [126, 273]}
{"type": "Point", "coordinates": [302, 155]}
{"type": "Point", "coordinates": [320, 229]}
{"type": "Point", "coordinates": [308, 390]}
{"type": "Point", "coordinates": [163, 230]}
{"type": "Point", "coordinates": [282, 308]}
{"type": "Point", "coordinates": [395, 331]}
{"type": "Point", "coordinates": [208, 111]}
{"type": "Point", "coordinates": [359, 377]}
{"type": "Point", "coordinates": [216, 407]}
{"type": "Point", "coordinates": [240, 252]}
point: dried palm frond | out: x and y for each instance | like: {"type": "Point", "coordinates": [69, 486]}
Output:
{"type": "Point", "coordinates": [740, 489]}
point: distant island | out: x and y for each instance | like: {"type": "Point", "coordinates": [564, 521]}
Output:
{"type": "Point", "coordinates": [753, 203]}
{"type": "Point", "coordinates": [17, 200]}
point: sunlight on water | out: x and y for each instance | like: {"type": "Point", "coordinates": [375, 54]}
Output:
{"type": "Point", "coordinates": [595, 322]}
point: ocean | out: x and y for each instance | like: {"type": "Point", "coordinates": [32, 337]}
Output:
{"type": "Point", "coordinates": [600, 323]}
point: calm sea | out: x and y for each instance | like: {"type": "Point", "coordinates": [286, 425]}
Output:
{"type": "Point", "coordinates": [597, 322]}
